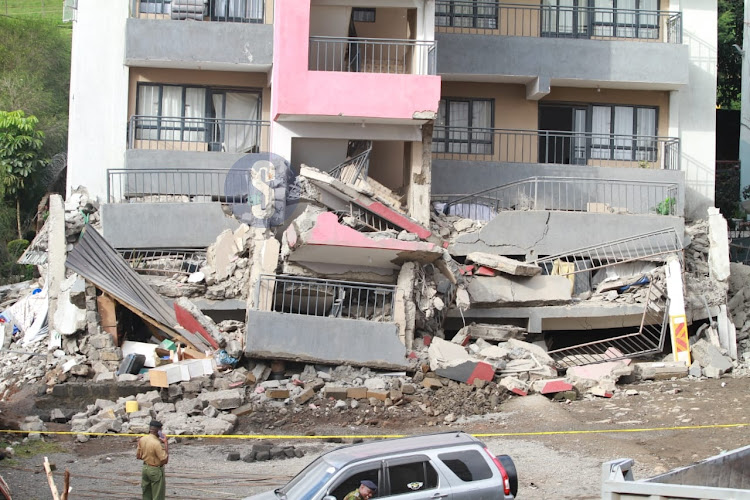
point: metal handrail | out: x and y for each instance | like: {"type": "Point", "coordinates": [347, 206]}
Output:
{"type": "Point", "coordinates": [163, 185]}
{"type": "Point", "coordinates": [593, 195]}
{"type": "Point", "coordinates": [560, 147]}
{"type": "Point", "coordinates": [322, 297]}
{"type": "Point", "coordinates": [507, 19]}
{"type": "Point", "coordinates": [198, 134]}
{"type": "Point", "coordinates": [372, 55]}
{"type": "Point", "coordinates": [231, 11]}
{"type": "Point", "coordinates": [354, 169]}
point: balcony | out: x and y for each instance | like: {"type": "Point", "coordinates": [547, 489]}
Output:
{"type": "Point", "coordinates": [165, 34]}
{"type": "Point", "coordinates": [361, 55]}
{"type": "Point", "coordinates": [556, 147]}
{"type": "Point", "coordinates": [565, 44]}
{"type": "Point", "coordinates": [594, 23]}
{"type": "Point", "coordinates": [177, 142]}
{"type": "Point", "coordinates": [331, 321]}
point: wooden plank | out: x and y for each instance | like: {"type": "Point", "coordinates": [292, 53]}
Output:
{"type": "Point", "coordinates": [106, 305]}
{"type": "Point", "coordinates": [51, 480]}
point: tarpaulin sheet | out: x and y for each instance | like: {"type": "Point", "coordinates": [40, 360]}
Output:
{"type": "Point", "coordinates": [94, 259]}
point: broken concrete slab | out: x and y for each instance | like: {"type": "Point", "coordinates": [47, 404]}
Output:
{"type": "Point", "coordinates": [660, 370]}
{"type": "Point", "coordinates": [588, 376]}
{"type": "Point", "coordinates": [318, 339]}
{"type": "Point", "coordinates": [193, 320]}
{"type": "Point", "coordinates": [451, 361]}
{"type": "Point", "coordinates": [710, 357]}
{"type": "Point", "coordinates": [504, 264]}
{"type": "Point", "coordinates": [547, 387]}
{"type": "Point", "coordinates": [333, 243]}
{"type": "Point", "coordinates": [718, 252]}
{"type": "Point", "coordinates": [223, 400]}
{"type": "Point", "coordinates": [495, 333]}
{"type": "Point", "coordinates": [514, 385]}
{"type": "Point", "coordinates": [222, 253]}
{"type": "Point", "coordinates": [503, 291]}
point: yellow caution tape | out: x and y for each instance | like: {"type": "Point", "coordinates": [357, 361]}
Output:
{"type": "Point", "coordinates": [385, 436]}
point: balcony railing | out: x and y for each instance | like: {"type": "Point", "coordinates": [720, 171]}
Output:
{"type": "Point", "coordinates": [507, 19]}
{"type": "Point", "coordinates": [198, 134]}
{"type": "Point", "coordinates": [556, 147]}
{"type": "Point", "coordinates": [567, 194]}
{"type": "Point", "coordinates": [232, 11]}
{"type": "Point", "coordinates": [372, 55]}
{"type": "Point", "coordinates": [329, 298]}
{"type": "Point", "coordinates": [354, 169]}
{"type": "Point", "coordinates": [175, 186]}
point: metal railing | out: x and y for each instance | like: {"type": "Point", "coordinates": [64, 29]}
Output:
{"type": "Point", "coordinates": [649, 339]}
{"type": "Point", "coordinates": [568, 194]}
{"type": "Point", "coordinates": [372, 55]}
{"type": "Point", "coordinates": [321, 297]}
{"type": "Point", "coordinates": [174, 186]}
{"type": "Point", "coordinates": [507, 19]}
{"type": "Point", "coordinates": [654, 246]}
{"type": "Point", "coordinates": [556, 147]}
{"type": "Point", "coordinates": [232, 11]}
{"type": "Point", "coordinates": [354, 169]}
{"type": "Point", "coordinates": [198, 134]}
{"type": "Point", "coordinates": [164, 261]}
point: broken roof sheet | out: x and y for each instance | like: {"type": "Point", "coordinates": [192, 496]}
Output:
{"type": "Point", "coordinates": [94, 259]}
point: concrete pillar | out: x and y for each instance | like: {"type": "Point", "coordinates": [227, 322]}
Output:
{"type": "Point", "coordinates": [421, 177]}
{"type": "Point", "coordinates": [405, 311]}
{"type": "Point", "coordinates": [56, 253]}
{"type": "Point", "coordinates": [265, 259]}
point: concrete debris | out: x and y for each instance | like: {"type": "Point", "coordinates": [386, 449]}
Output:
{"type": "Point", "coordinates": [528, 291]}
{"type": "Point", "coordinates": [496, 333]}
{"type": "Point", "coordinates": [665, 370]}
{"type": "Point", "coordinates": [504, 264]}
{"type": "Point", "coordinates": [713, 362]}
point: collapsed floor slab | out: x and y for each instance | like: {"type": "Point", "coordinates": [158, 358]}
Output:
{"type": "Point", "coordinates": [317, 339]}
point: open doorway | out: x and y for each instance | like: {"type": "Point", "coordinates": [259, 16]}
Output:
{"type": "Point", "coordinates": [562, 137]}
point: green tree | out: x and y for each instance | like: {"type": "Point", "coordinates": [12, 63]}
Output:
{"type": "Point", "coordinates": [20, 155]}
{"type": "Point", "coordinates": [730, 23]}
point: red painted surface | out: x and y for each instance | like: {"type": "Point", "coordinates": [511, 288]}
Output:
{"type": "Point", "coordinates": [483, 371]}
{"type": "Point", "coordinates": [189, 323]}
{"type": "Point", "coordinates": [467, 270]}
{"type": "Point", "coordinates": [427, 340]}
{"type": "Point", "coordinates": [485, 271]}
{"type": "Point", "coordinates": [328, 231]}
{"type": "Point", "coordinates": [396, 218]}
{"type": "Point", "coordinates": [299, 91]}
{"type": "Point", "coordinates": [554, 386]}
{"type": "Point", "coordinates": [519, 392]}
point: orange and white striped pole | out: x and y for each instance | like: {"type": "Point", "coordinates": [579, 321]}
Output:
{"type": "Point", "coordinates": [677, 319]}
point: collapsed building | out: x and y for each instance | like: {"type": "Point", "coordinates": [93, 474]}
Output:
{"type": "Point", "coordinates": [329, 190]}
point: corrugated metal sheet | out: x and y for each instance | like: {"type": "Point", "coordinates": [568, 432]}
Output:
{"type": "Point", "coordinates": [94, 259]}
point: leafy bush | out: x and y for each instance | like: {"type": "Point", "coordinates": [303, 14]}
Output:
{"type": "Point", "coordinates": [16, 248]}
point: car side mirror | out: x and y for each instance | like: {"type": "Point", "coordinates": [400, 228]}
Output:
{"type": "Point", "coordinates": [329, 497]}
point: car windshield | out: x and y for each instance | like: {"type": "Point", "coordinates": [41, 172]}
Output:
{"type": "Point", "coordinates": [308, 482]}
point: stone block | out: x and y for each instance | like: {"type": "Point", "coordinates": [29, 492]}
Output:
{"type": "Point", "coordinates": [81, 371]}
{"type": "Point", "coordinates": [379, 395]}
{"type": "Point", "coordinates": [335, 392]}
{"type": "Point", "coordinates": [192, 406]}
{"type": "Point", "coordinates": [150, 397]}
{"type": "Point", "coordinates": [105, 377]}
{"type": "Point", "coordinates": [224, 400]}
{"type": "Point", "coordinates": [304, 396]}
{"type": "Point", "coordinates": [356, 392]}
{"type": "Point", "coordinates": [110, 354]}
{"type": "Point", "coordinates": [277, 393]}
{"type": "Point", "coordinates": [432, 383]}
{"type": "Point", "coordinates": [216, 427]}
{"type": "Point", "coordinates": [504, 264]}
{"type": "Point", "coordinates": [164, 407]}
{"type": "Point", "coordinates": [245, 409]}
{"type": "Point", "coordinates": [514, 385]}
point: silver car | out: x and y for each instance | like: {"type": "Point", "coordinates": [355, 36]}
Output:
{"type": "Point", "coordinates": [449, 466]}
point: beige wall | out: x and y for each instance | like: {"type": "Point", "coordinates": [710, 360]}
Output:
{"type": "Point", "coordinates": [389, 23]}
{"type": "Point", "coordinates": [387, 163]}
{"type": "Point", "coordinates": [207, 78]}
{"type": "Point", "coordinates": [514, 112]}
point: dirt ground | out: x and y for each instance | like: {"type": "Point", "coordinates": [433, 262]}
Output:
{"type": "Point", "coordinates": [557, 451]}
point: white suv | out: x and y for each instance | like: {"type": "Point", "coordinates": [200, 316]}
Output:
{"type": "Point", "coordinates": [450, 466]}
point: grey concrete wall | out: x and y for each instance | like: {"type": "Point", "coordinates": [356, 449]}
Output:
{"type": "Point", "coordinates": [198, 45]}
{"type": "Point", "coordinates": [183, 160]}
{"type": "Point", "coordinates": [465, 177]}
{"type": "Point", "coordinates": [164, 225]}
{"type": "Point", "coordinates": [316, 339]}
{"type": "Point", "coordinates": [565, 61]}
{"type": "Point", "coordinates": [535, 234]}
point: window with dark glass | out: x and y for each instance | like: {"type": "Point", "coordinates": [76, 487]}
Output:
{"type": "Point", "coordinates": [623, 133]}
{"type": "Point", "coordinates": [412, 477]}
{"type": "Point", "coordinates": [362, 15]}
{"type": "Point", "coordinates": [467, 465]}
{"type": "Point", "coordinates": [466, 14]}
{"type": "Point", "coordinates": [464, 126]}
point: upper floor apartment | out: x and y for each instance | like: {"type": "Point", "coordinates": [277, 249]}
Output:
{"type": "Point", "coordinates": [610, 43]}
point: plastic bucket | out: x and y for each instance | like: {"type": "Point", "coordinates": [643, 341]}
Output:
{"type": "Point", "coordinates": [131, 406]}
